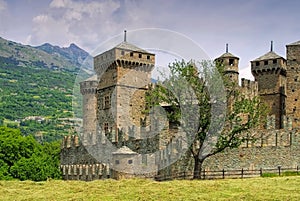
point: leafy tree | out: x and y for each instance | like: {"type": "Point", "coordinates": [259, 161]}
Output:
{"type": "Point", "coordinates": [197, 96]}
{"type": "Point", "coordinates": [24, 158]}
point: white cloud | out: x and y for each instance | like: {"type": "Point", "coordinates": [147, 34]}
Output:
{"type": "Point", "coordinates": [68, 21]}
{"type": "Point", "coordinates": [59, 3]}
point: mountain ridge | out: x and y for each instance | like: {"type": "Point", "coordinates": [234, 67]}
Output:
{"type": "Point", "coordinates": [52, 56]}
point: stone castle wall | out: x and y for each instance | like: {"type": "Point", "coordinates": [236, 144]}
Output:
{"type": "Point", "coordinates": [273, 148]}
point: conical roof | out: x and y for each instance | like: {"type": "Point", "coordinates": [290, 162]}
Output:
{"type": "Point", "coordinates": [227, 54]}
{"type": "Point", "coordinates": [267, 56]}
{"type": "Point", "coordinates": [124, 150]}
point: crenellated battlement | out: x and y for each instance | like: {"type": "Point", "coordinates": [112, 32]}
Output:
{"type": "Point", "coordinates": [112, 115]}
{"type": "Point", "coordinates": [70, 141]}
{"type": "Point", "coordinates": [249, 88]}
{"type": "Point", "coordinates": [85, 172]}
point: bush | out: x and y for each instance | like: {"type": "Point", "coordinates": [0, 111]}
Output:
{"type": "Point", "coordinates": [25, 159]}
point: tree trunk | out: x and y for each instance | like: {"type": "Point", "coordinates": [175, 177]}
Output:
{"type": "Point", "coordinates": [197, 168]}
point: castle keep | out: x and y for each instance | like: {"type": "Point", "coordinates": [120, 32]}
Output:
{"type": "Point", "coordinates": [114, 125]}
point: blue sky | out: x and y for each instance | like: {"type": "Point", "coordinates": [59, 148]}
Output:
{"type": "Point", "coordinates": [248, 26]}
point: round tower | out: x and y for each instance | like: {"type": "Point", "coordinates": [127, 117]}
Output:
{"type": "Point", "coordinates": [269, 71]}
{"type": "Point", "coordinates": [231, 65]}
{"type": "Point", "coordinates": [88, 89]}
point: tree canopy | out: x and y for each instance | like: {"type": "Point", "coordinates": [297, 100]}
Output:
{"type": "Point", "coordinates": [208, 106]}
{"type": "Point", "coordinates": [25, 159]}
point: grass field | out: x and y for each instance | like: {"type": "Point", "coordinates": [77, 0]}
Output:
{"type": "Point", "coordinates": [277, 188]}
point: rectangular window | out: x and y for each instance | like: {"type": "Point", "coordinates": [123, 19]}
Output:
{"type": "Point", "coordinates": [122, 52]}
{"type": "Point", "coordinates": [231, 62]}
{"type": "Point", "coordinates": [266, 63]}
{"type": "Point", "coordinates": [117, 162]}
{"type": "Point", "coordinates": [274, 61]}
{"type": "Point", "coordinates": [140, 55]}
{"type": "Point", "coordinates": [144, 159]}
{"type": "Point", "coordinates": [257, 63]}
{"type": "Point", "coordinates": [129, 161]}
{"type": "Point", "coordinates": [131, 54]}
{"type": "Point", "coordinates": [148, 57]}
{"type": "Point", "coordinates": [106, 102]}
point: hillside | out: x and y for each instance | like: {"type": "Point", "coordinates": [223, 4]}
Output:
{"type": "Point", "coordinates": [36, 85]}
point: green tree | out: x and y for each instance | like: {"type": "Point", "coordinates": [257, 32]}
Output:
{"type": "Point", "coordinates": [197, 96]}
{"type": "Point", "coordinates": [25, 159]}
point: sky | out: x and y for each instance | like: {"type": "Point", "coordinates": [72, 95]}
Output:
{"type": "Point", "coordinates": [248, 26]}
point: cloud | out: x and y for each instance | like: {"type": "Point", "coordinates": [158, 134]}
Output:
{"type": "Point", "coordinates": [68, 21]}
{"type": "Point", "coordinates": [3, 5]}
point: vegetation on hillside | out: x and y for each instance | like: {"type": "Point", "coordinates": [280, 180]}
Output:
{"type": "Point", "coordinates": [36, 88]}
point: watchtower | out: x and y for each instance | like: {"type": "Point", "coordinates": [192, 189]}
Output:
{"type": "Point", "coordinates": [269, 71]}
{"type": "Point", "coordinates": [293, 83]}
{"type": "Point", "coordinates": [231, 65]}
{"type": "Point", "coordinates": [124, 73]}
{"type": "Point", "coordinates": [88, 89]}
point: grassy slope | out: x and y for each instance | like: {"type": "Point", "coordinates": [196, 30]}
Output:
{"type": "Point", "coordinates": [279, 188]}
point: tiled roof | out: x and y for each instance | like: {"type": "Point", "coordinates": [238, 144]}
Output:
{"type": "Point", "coordinates": [127, 46]}
{"type": "Point", "coordinates": [295, 43]}
{"type": "Point", "coordinates": [269, 55]}
{"type": "Point", "coordinates": [93, 78]}
{"type": "Point", "coordinates": [227, 54]}
{"type": "Point", "coordinates": [124, 150]}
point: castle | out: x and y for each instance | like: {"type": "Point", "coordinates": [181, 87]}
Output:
{"type": "Point", "coordinates": [118, 140]}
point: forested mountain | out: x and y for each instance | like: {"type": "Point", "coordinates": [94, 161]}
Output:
{"type": "Point", "coordinates": [36, 87]}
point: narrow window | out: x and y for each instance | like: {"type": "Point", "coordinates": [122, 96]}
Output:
{"type": "Point", "coordinates": [265, 63]}
{"type": "Point", "coordinates": [106, 127]}
{"type": "Point", "coordinates": [129, 161]}
{"type": "Point", "coordinates": [231, 62]}
{"type": "Point", "coordinates": [296, 99]}
{"type": "Point", "coordinates": [131, 54]}
{"type": "Point", "coordinates": [274, 61]}
{"type": "Point", "coordinates": [122, 52]}
{"type": "Point", "coordinates": [257, 63]}
{"type": "Point", "coordinates": [106, 102]}
{"type": "Point", "coordinates": [148, 57]}
{"type": "Point", "coordinates": [117, 162]}
{"type": "Point", "coordinates": [140, 55]}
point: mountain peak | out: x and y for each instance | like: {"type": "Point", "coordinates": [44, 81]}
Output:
{"type": "Point", "coordinates": [73, 53]}
{"type": "Point", "coordinates": [73, 45]}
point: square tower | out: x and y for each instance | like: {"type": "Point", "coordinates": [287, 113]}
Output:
{"type": "Point", "coordinates": [269, 71]}
{"type": "Point", "coordinates": [124, 73]}
{"type": "Point", "coordinates": [293, 83]}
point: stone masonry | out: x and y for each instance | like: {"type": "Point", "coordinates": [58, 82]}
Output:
{"type": "Point", "coordinates": [113, 103]}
